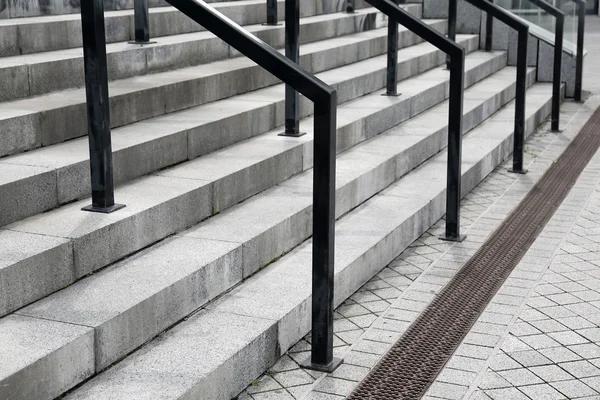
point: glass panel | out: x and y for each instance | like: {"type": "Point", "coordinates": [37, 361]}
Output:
{"type": "Point", "coordinates": [532, 13]}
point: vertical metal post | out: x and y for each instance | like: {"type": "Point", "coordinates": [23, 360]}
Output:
{"type": "Point", "coordinates": [98, 112]}
{"type": "Point", "coordinates": [455, 111]}
{"type": "Point", "coordinates": [519, 132]}
{"type": "Point", "coordinates": [292, 51]}
{"type": "Point", "coordinates": [557, 74]}
{"type": "Point", "coordinates": [272, 14]}
{"type": "Point", "coordinates": [452, 11]}
{"type": "Point", "coordinates": [350, 6]}
{"type": "Point", "coordinates": [579, 60]}
{"type": "Point", "coordinates": [321, 357]}
{"type": "Point", "coordinates": [141, 22]}
{"type": "Point", "coordinates": [489, 31]}
{"type": "Point", "coordinates": [392, 57]}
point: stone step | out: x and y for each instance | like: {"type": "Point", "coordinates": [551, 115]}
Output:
{"type": "Point", "coordinates": [40, 34]}
{"type": "Point", "coordinates": [22, 9]}
{"type": "Point", "coordinates": [41, 73]}
{"type": "Point", "coordinates": [59, 174]}
{"type": "Point", "coordinates": [175, 198]}
{"type": "Point", "coordinates": [53, 118]}
{"type": "Point", "coordinates": [219, 350]}
{"type": "Point", "coordinates": [149, 292]}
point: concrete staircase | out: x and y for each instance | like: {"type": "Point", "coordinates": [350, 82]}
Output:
{"type": "Point", "coordinates": [203, 280]}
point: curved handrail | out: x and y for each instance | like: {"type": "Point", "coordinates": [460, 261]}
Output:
{"type": "Point", "coordinates": [254, 48]}
{"type": "Point", "coordinates": [457, 70]}
{"type": "Point", "coordinates": [523, 31]}
{"type": "Point", "coordinates": [325, 100]}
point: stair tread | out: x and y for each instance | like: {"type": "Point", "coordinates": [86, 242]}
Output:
{"type": "Point", "coordinates": [280, 293]}
{"type": "Point", "coordinates": [136, 282]}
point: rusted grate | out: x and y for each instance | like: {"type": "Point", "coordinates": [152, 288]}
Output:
{"type": "Point", "coordinates": [413, 363]}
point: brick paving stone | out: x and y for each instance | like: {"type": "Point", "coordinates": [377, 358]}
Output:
{"type": "Point", "coordinates": [529, 358]}
{"type": "Point", "coordinates": [506, 394]}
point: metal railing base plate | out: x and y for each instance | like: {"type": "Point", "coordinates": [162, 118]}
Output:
{"type": "Point", "coordinates": [332, 366]}
{"type": "Point", "coordinates": [103, 210]}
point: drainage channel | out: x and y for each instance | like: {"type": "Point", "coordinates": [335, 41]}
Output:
{"type": "Point", "coordinates": [415, 360]}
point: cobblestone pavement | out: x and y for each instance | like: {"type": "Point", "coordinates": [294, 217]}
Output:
{"type": "Point", "coordinates": [374, 317]}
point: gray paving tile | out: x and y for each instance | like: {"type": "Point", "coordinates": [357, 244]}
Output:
{"type": "Point", "coordinates": [588, 350]}
{"type": "Point", "coordinates": [350, 372]}
{"type": "Point", "coordinates": [340, 387]}
{"type": "Point", "coordinates": [580, 369]}
{"type": "Point", "coordinates": [568, 337]}
{"type": "Point", "coordinates": [573, 389]}
{"type": "Point", "coordinates": [295, 377]}
{"type": "Point", "coordinates": [264, 384]}
{"type": "Point", "coordinates": [542, 392]}
{"type": "Point", "coordinates": [519, 377]}
{"type": "Point", "coordinates": [551, 373]}
{"type": "Point", "coordinates": [506, 394]}
{"type": "Point", "coordinates": [530, 358]}
{"type": "Point", "coordinates": [560, 354]}
{"type": "Point", "coordinates": [447, 391]}
{"type": "Point", "coordinates": [281, 394]}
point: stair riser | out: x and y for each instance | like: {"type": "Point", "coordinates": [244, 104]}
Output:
{"type": "Point", "coordinates": [65, 33]}
{"type": "Point", "coordinates": [71, 182]}
{"type": "Point", "coordinates": [296, 324]}
{"type": "Point", "coordinates": [45, 77]}
{"type": "Point", "coordinates": [114, 341]}
{"type": "Point", "coordinates": [34, 129]}
{"type": "Point", "coordinates": [104, 246]}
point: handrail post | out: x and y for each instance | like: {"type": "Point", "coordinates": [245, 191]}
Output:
{"type": "Point", "coordinates": [579, 60]}
{"type": "Point", "coordinates": [455, 112]}
{"type": "Point", "coordinates": [272, 14]}
{"type": "Point", "coordinates": [452, 11]}
{"type": "Point", "coordinates": [489, 30]}
{"type": "Point", "coordinates": [292, 51]}
{"type": "Point", "coordinates": [392, 57]}
{"type": "Point", "coordinates": [350, 7]}
{"type": "Point", "coordinates": [141, 22]}
{"type": "Point", "coordinates": [557, 73]}
{"type": "Point", "coordinates": [519, 130]}
{"type": "Point", "coordinates": [323, 242]}
{"type": "Point", "coordinates": [98, 111]}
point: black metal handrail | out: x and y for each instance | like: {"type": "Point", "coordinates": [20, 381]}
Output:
{"type": "Point", "coordinates": [579, 59]}
{"type": "Point", "coordinates": [457, 69]}
{"type": "Point", "coordinates": [325, 110]}
{"type": "Point", "coordinates": [522, 42]}
{"type": "Point", "coordinates": [558, 50]}
{"type": "Point", "coordinates": [325, 101]}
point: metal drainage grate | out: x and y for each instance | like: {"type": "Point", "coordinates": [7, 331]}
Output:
{"type": "Point", "coordinates": [413, 363]}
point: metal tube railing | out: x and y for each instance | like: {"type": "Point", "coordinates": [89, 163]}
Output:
{"type": "Point", "coordinates": [292, 52]}
{"type": "Point", "coordinates": [457, 70]}
{"type": "Point", "coordinates": [558, 51]}
{"type": "Point", "coordinates": [523, 31]}
{"type": "Point", "coordinates": [141, 19]}
{"type": "Point", "coordinates": [489, 30]}
{"type": "Point", "coordinates": [350, 6]}
{"type": "Point", "coordinates": [325, 106]}
{"type": "Point", "coordinates": [325, 100]}
{"type": "Point", "coordinates": [392, 56]}
{"type": "Point", "coordinates": [272, 14]}
{"type": "Point", "coordinates": [98, 107]}
{"type": "Point", "coordinates": [580, 39]}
